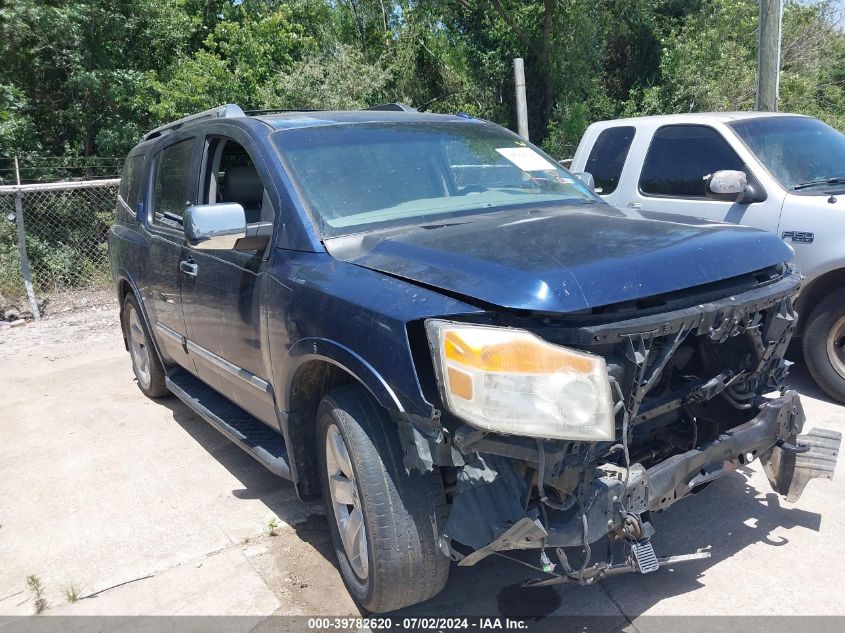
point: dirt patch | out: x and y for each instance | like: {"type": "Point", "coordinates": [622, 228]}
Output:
{"type": "Point", "coordinates": [299, 566]}
{"type": "Point", "coordinates": [77, 318]}
{"type": "Point", "coordinates": [58, 302]}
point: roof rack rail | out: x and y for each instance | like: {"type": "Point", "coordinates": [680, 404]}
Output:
{"type": "Point", "coordinates": [279, 111]}
{"type": "Point", "coordinates": [221, 112]}
{"type": "Point", "coordinates": [393, 107]}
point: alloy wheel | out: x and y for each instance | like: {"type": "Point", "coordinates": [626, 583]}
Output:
{"type": "Point", "coordinates": [346, 503]}
{"type": "Point", "coordinates": [836, 346]}
{"type": "Point", "coordinates": [138, 349]}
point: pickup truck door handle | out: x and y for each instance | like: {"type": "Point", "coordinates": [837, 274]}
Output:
{"type": "Point", "coordinates": [189, 267]}
{"type": "Point", "coordinates": [635, 205]}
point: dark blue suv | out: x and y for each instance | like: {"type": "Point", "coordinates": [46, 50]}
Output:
{"type": "Point", "coordinates": [428, 322]}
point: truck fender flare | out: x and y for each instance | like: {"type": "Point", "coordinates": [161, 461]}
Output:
{"type": "Point", "coordinates": [123, 275]}
{"type": "Point", "coordinates": [326, 350]}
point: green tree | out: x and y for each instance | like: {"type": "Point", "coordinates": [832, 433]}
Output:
{"type": "Point", "coordinates": [339, 79]}
{"type": "Point", "coordinates": [80, 66]}
{"type": "Point", "coordinates": [709, 62]}
{"type": "Point", "coordinates": [85, 78]}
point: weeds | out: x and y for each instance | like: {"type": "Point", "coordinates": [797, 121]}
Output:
{"type": "Point", "coordinates": [72, 592]}
{"type": "Point", "coordinates": [37, 591]}
{"type": "Point", "coordinates": [273, 527]}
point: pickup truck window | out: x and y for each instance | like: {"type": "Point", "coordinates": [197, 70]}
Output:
{"type": "Point", "coordinates": [679, 158]}
{"type": "Point", "coordinates": [170, 183]}
{"type": "Point", "coordinates": [796, 150]}
{"type": "Point", "coordinates": [608, 157]}
{"type": "Point", "coordinates": [364, 177]}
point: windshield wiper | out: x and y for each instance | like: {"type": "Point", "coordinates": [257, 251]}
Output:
{"type": "Point", "coordinates": [837, 180]}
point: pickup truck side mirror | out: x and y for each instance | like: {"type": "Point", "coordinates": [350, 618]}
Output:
{"type": "Point", "coordinates": [587, 178]}
{"type": "Point", "coordinates": [210, 227]}
{"type": "Point", "coordinates": [730, 185]}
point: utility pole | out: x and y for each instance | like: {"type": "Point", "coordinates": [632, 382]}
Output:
{"type": "Point", "coordinates": [768, 55]}
{"type": "Point", "coordinates": [521, 103]}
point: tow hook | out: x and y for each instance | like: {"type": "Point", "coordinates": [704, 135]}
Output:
{"type": "Point", "coordinates": [795, 449]}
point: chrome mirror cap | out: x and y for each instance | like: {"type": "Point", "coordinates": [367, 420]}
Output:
{"type": "Point", "coordinates": [727, 182]}
{"type": "Point", "coordinates": [210, 227]}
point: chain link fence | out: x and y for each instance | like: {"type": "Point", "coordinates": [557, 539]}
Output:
{"type": "Point", "coordinates": [65, 225]}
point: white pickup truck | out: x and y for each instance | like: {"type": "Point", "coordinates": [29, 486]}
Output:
{"type": "Point", "coordinates": [779, 172]}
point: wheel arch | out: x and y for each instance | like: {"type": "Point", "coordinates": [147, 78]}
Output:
{"type": "Point", "coordinates": [322, 350]}
{"type": "Point", "coordinates": [126, 286]}
{"type": "Point", "coordinates": [123, 289]}
{"type": "Point", "coordinates": [815, 291]}
{"type": "Point", "coordinates": [316, 367]}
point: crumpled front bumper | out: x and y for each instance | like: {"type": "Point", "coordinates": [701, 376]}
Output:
{"type": "Point", "coordinates": [789, 461]}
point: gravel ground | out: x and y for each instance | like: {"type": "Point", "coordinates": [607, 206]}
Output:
{"type": "Point", "coordinates": [77, 317]}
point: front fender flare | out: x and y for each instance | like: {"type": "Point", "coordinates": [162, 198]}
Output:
{"type": "Point", "coordinates": [321, 349]}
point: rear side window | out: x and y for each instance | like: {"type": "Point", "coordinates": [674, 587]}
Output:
{"type": "Point", "coordinates": [171, 182]}
{"type": "Point", "coordinates": [608, 157]}
{"type": "Point", "coordinates": [130, 180]}
{"type": "Point", "coordinates": [679, 158]}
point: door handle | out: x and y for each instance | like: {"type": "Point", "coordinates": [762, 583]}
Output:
{"type": "Point", "coordinates": [635, 205]}
{"type": "Point", "coordinates": [188, 267]}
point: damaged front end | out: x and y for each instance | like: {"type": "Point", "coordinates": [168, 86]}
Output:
{"type": "Point", "coordinates": [686, 399]}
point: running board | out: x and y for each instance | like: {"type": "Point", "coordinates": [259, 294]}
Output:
{"type": "Point", "coordinates": [251, 434]}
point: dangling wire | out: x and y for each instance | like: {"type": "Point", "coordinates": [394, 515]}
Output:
{"type": "Point", "coordinates": [620, 405]}
{"type": "Point", "coordinates": [570, 501]}
{"type": "Point", "coordinates": [588, 553]}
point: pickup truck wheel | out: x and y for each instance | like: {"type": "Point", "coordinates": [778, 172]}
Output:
{"type": "Point", "coordinates": [384, 522]}
{"type": "Point", "coordinates": [824, 345]}
{"type": "Point", "coordinates": [145, 362]}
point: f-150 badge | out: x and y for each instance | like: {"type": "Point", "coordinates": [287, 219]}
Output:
{"type": "Point", "coordinates": [799, 236]}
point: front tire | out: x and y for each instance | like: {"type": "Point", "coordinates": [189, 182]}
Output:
{"type": "Point", "coordinates": [823, 345]}
{"type": "Point", "coordinates": [146, 365]}
{"type": "Point", "coordinates": [384, 522]}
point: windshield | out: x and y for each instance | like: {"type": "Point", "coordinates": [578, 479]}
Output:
{"type": "Point", "coordinates": [796, 150]}
{"type": "Point", "coordinates": [366, 176]}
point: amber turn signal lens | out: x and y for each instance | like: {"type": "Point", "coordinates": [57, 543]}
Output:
{"type": "Point", "coordinates": [511, 381]}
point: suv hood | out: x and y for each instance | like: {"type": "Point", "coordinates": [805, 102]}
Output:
{"type": "Point", "coordinates": [563, 259]}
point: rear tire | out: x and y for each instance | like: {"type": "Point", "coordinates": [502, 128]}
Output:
{"type": "Point", "coordinates": [401, 514]}
{"type": "Point", "coordinates": [146, 365]}
{"type": "Point", "coordinates": [823, 345]}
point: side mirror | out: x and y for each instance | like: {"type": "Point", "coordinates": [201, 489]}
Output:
{"type": "Point", "coordinates": [587, 178]}
{"type": "Point", "coordinates": [726, 184]}
{"type": "Point", "coordinates": [733, 186]}
{"type": "Point", "coordinates": [212, 227]}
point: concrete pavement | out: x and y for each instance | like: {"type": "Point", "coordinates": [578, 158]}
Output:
{"type": "Point", "coordinates": [143, 504]}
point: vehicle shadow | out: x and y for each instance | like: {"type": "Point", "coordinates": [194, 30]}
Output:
{"type": "Point", "coordinates": [257, 482]}
{"type": "Point", "coordinates": [730, 515]}
{"type": "Point", "coordinates": [800, 380]}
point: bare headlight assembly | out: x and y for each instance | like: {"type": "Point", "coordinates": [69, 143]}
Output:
{"type": "Point", "coordinates": [510, 381]}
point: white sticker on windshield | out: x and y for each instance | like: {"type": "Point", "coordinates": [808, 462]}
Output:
{"type": "Point", "coordinates": [526, 158]}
